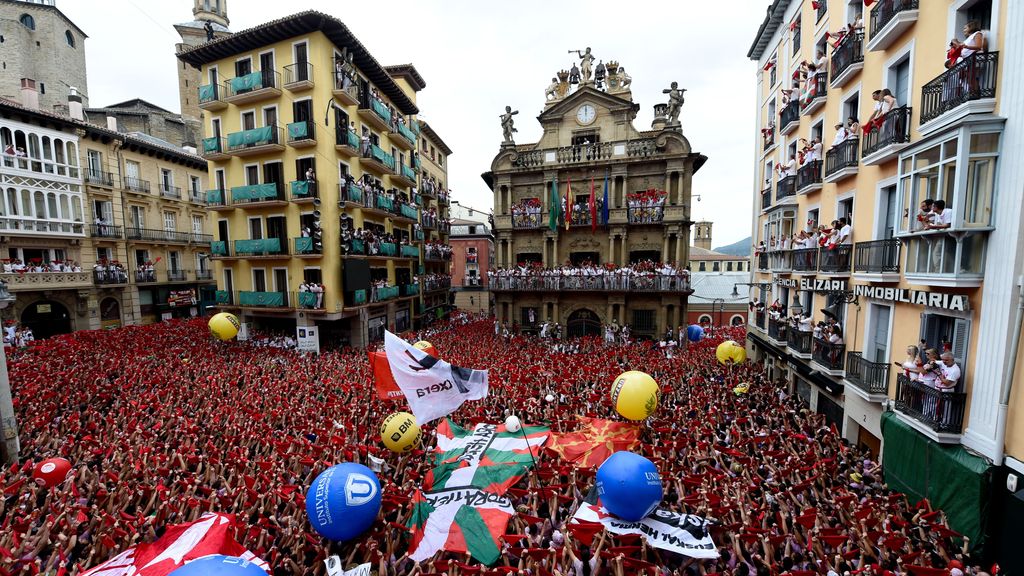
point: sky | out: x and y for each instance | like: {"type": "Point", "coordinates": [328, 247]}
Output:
{"type": "Point", "coordinates": [477, 56]}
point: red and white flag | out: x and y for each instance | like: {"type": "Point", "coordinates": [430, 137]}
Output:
{"type": "Point", "coordinates": [180, 544]}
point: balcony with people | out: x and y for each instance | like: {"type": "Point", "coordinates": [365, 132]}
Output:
{"type": "Point", "coordinates": [643, 276]}
{"type": "Point", "coordinates": [789, 118]}
{"type": "Point", "coordinates": [305, 190]}
{"type": "Point", "coordinates": [869, 379]}
{"type": "Point", "coordinates": [346, 141]}
{"type": "Point", "coordinates": [376, 160]}
{"type": "Point", "coordinates": [310, 296]}
{"type": "Point", "coordinates": [307, 245]}
{"type": "Point", "coordinates": [815, 91]}
{"type": "Point", "coordinates": [261, 248]}
{"type": "Point", "coordinates": [828, 349]}
{"type": "Point", "coordinates": [889, 20]}
{"type": "Point", "coordinates": [346, 81]}
{"type": "Point", "coordinates": [429, 283]}
{"type": "Point", "coordinates": [847, 54]}
{"type": "Point", "coordinates": [646, 207]}
{"type": "Point", "coordinates": [768, 136]}
{"type": "Point", "coordinates": [375, 111]}
{"type": "Point", "coordinates": [808, 176]}
{"type": "Point", "coordinates": [104, 231]}
{"type": "Point", "coordinates": [968, 86]}
{"type": "Point", "coordinates": [930, 393]}
{"type": "Point", "coordinates": [35, 274]}
{"type": "Point", "coordinates": [842, 160]}
{"type": "Point", "coordinates": [253, 87]}
{"type": "Point", "coordinates": [946, 214]}
{"type": "Point", "coordinates": [109, 273]}
{"type": "Point", "coordinates": [400, 134]}
{"type": "Point", "coordinates": [526, 214]}
{"type": "Point", "coordinates": [778, 327]}
{"type": "Point", "coordinates": [886, 131]}
{"type": "Point", "coordinates": [256, 141]}
{"type": "Point", "coordinates": [437, 252]}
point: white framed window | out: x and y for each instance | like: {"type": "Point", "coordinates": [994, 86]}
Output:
{"type": "Point", "coordinates": [170, 221]}
{"type": "Point", "coordinates": [197, 224]}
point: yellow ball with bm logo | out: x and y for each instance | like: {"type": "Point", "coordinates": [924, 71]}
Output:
{"type": "Point", "coordinates": [224, 326]}
{"type": "Point", "coordinates": [399, 432]}
{"type": "Point", "coordinates": [635, 395]}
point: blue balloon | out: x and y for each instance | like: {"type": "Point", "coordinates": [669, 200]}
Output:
{"type": "Point", "coordinates": [219, 565]}
{"type": "Point", "coordinates": [343, 501]}
{"type": "Point", "coordinates": [629, 486]}
{"type": "Point", "coordinates": [694, 332]}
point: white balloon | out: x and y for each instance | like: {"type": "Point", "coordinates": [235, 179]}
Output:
{"type": "Point", "coordinates": [549, 398]}
{"type": "Point", "coordinates": [512, 424]}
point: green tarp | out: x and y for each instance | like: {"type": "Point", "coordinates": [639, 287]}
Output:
{"type": "Point", "coordinates": [409, 135]}
{"type": "Point", "coordinates": [211, 145]}
{"type": "Point", "coordinates": [359, 297]}
{"type": "Point", "coordinates": [207, 93]}
{"type": "Point", "coordinates": [408, 172]}
{"type": "Point", "coordinates": [358, 246]}
{"type": "Point", "coordinates": [307, 299]}
{"type": "Point", "coordinates": [354, 194]}
{"type": "Point", "coordinates": [219, 248]}
{"type": "Point", "coordinates": [262, 135]}
{"type": "Point", "coordinates": [222, 297]}
{"type": "Point", "coordinates": [247, 82]}
{"type": "Point", "coordinates": [269, 245]}
{"type": "Point", "coordinates": [254, 192]}
{"type": "Point", "coordinates": [385, 203]}
{"type": "Point", "coordinates": [300, 188]}
{"type": "Point", "coordinates": [304, 245]}
{"type": "Point", "coordinates": [381, 110]}
{"type": "Point", "coordinates": [947, 475]}
{"type": "Point", "coordinates": [388, 249]}
{"type": "Point", "coordinates": [298, 131]}
{"type": "Point", "coordinates": [215, 197]}
{"type": "Point", "coordinates": [261, 298]}
{"type": "Point", "coordinates": [410, 251]}
{"type": "Point", "coordinates": [383, 157]}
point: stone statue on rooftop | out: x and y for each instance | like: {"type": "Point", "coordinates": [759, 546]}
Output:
{"type": "Point", "coordinates": [624, 79]}
{"type": "Point", "coordinates": [508, 126]}
{"type": "Point", "coordinates": [586, 63]}
{"type": "Point", "coordinates": [551, 92]}
{"type": "Point", "coordinates": [675, 102]}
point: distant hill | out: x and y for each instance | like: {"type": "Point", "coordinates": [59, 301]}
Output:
{"type": "Point", "coordinates": [741, 248]}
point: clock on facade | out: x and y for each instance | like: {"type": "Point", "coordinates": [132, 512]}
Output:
{"type": "Point", "coordinates": [586, 114]}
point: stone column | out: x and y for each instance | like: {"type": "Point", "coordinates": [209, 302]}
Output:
{"type": "Point", "coordinates": [664, 251]}
{"type": "Point", "coordinates": [557, 318]}
{"type": "Point", "coordinates": [679, 249]}
{"type": "Point", "coordinates": [623, 255]}
{"type": "Point", "coordinates": [556, 261]}
{"type": "Point", "coordinates": [611, 248]}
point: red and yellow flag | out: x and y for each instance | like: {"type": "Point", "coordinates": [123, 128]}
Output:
{"type": "Point", "coordinates": [595, 441]}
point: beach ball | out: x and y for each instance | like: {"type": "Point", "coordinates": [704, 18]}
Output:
{"type": "Point", "coordinates": [694, 332]}
{"type": "Point", "coordinates": [730, 351]}
{"type": "Point", "coordinates": [629, 486]}
{"type": "Point", "coordinates": [51, 472]}
{"type": "Point", "coordinates": [635, 395]}
{"type": "Point", "coordinates": [219, 565]}
{"type": "Point", "coordinates": [399, 432]}
{"type": "Point", "coordinates": [224, 326]}
{"type": "Point", "coordinates": [742, 388]}
{"type": "Point", "coordinates": [343, 501]}
{"type": "Point", "coordinates": [426, 347]}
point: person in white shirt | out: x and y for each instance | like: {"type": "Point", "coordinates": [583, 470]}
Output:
{"type": "Point", "coordinates": [949, 373]}
{"type": "Point", "coordinates": [943, 218]}
{"type": "Point", "coordinates": [841, 134]}
{"type": "Point", "coordinates": [790, 167]}
{"type": "Point", "coordinates": [845, 232]}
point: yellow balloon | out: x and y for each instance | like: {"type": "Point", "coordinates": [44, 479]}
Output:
{"type": "Point", "coordinates": [426, 347]}
{"type": "Point", "coordinates": [743, 388]}
{"type": "Point", "coordinates": [635, 395]}
{"type": "Point", "coordinates": [730, 351]}
{"type": "Point", "coordinates": [399, 432]}
{"type": "Point", "coordinates": [224, 326]}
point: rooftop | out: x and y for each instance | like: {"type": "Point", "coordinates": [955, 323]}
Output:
{"type": "Point", "coordinates": [433, 137]}
{"type": "Point", "coordinates": [712, 285]}
{"type": "Point", "coordinates": [705, 254]}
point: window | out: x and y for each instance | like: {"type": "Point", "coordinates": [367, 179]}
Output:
{"type": "Point", "coordinates": [773, 73]}
{"type": "Point", "coordinates": [851, 107]}
{"type": "Point", "coordinates": [980, 10]}
{"type": "Point", "coordinates": [252, 175]}
{"type": "Point", "coordinates": [702, 267]}
{"type": "Point", "coordinates": [845, 209]}
{"type": "Point", "coordinates": [197, 224]}
{"type": "Point", "coordinates": [243, 67]}
{"type": "Point", "coordinates": [166, 180]}
{"type": "Point", "coordinates": [795, 27]}
{"type": "Point", "coordinates": [899, 81]}
{"type": "Point", "coordinates": [728, 267]}
{"type": "Point", "coordinates": [173, 261]}
{"type": "Point", "coordinates": [95, 160]}
{"type": "Point", "coordinates": [69, 38]}
{"type": "Point", "coordinates": [141, 257]}
{"type": "Point", "coordinates": [104, 255]}
{"type": "Point", "coordinates": [644, 320]}
{"type": "Point", "coordinates": [194, 185]}
{"type": "Point", "coordinates": [170, 221]}
{"type": "Point", "coordinates": [138, 215]}
{"type": "Point", "coordinates": [878, 336]}
{"type": "Point", "coordinates": [715, 267]}
{"type": "Point", "coordinates": [28, 21]}
{"type": "Point", "coordinates": [940, 331]}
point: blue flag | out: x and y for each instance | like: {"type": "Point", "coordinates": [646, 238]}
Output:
{"type": "Point", "coordinates": [604, 207]}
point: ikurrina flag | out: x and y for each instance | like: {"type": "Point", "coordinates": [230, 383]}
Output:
{"type": "Point", "coordinates": [434, 388]}
{"type": "Point", "coordinates": [463, 507]}
{"type": "Point", "coordinates": [595, 441]}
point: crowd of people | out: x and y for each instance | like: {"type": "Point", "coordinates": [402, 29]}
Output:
{"type": "Point", "coordinates": [315, 300]}
{"type": "Point", "coordinates": [17, 335]}
{"type": "Point", "coordinates": [646, 207]}
{"type": "Point", "coordinates": [431, 282]}
{"type": "Point", "coordinates": [37, 266]}
{"type": "Point", "coordinates": [526, 213]}
{"type": "Point", "coordinates": [826, 238]}
{"type": "Point", "coordinates": [437, 250]}
{"type": "Point", "coordinates": [110, 272]}
{"type": "Point", "coordinates": [642, 275]}
{"type": "Point", "coordinates": [163, 424]}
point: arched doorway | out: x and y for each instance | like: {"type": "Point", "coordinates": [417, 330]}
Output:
{"type": "Point", "coordinates": [46, 318]}
{"type": "Point", "coordinates": [583, 322]}
{"type": "Point", "coordinates": [110, 313]}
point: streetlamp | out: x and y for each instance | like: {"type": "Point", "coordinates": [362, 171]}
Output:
{"type": "Point", "coordinates": [721, 307]}
{"type": "Point", "coordinates": [7, 418]}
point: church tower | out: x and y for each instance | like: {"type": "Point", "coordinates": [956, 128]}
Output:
{"type": "Point", "coordinates": [702, 235]}
{"type": "Point", "coordinates": [193, 34]}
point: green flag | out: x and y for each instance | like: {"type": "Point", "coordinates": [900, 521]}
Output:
{"type": "Point", "coordinates": [556, 204]}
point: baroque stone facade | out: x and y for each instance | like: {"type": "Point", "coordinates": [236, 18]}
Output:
{"type": "Point", "coordinates": [589, 141]}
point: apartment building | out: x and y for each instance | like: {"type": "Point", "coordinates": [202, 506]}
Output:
{"type": "Point", "coordinates": [946, 279]}
{"type": "Point", "coordinates": [316, 180]}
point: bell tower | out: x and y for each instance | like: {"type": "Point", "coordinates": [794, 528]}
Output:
{"type": "Point", "coordinates": [702, 235]}
{"type": "Point", "coordinates": [206, 12]}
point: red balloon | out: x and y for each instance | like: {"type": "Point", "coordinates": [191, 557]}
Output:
{"type": "Point", "coordinates": [426, 347]}
{"type": "Point", "coordinates": [51, 472]}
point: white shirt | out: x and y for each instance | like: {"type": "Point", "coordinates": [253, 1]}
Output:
{"type": "Point", "coordinates": [841, 135]}
{"type": "Point", "coordinates": [951, 373]}
{"type": "Point", "coordinates": [946, 217]}
{"type": "Point", "coordinates": [845, 233]}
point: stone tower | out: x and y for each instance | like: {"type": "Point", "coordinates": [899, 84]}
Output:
{"type": "Point", "coordinates": [193, 34]}
{"type": "Point", "coordinates": [702, 235]}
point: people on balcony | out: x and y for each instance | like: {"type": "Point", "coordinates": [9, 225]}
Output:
{"type": "Point", "coordinates": [437, 250]}
{"type": "Point", "coordinates": [642, 275]}
{"type": "Point", "coordinates": [317, 290]}
{"type": "Point", "coordinates": [37, 266]}
{"type": "Point", "coordinates": [852, 128]}
{"type": "Point", "coordinates": [884, 102]}
{"type": "Point", "coordinates": [942, 217]}
{"type": "Point", "coordinates": [974, 41]}
{"type": "Point", "coordinates": [526, 213]}
{"type": "Point", "coordinates": [110, 272]}
{"type": "Point", "coordinates": [841, 134]}
{"type": "Point", "coordinates": [646, 207]}
{"type": "Point", "coordinates": [434, 281]}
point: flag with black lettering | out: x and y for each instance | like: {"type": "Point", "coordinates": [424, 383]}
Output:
{"type": "Point", "coordinates": [434, 388]}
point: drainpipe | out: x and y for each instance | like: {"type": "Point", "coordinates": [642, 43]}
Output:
{"type": "Point", "coordinates": [1007, 385]}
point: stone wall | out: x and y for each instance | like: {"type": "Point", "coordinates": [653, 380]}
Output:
{"type": "Point", "coordinates": [42, 54]}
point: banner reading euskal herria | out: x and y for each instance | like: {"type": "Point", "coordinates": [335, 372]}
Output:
{"type": "Point", "coordinates": [434, 388]}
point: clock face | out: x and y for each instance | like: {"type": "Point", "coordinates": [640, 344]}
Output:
{"type": "Point", "coordinates": [586, 114]}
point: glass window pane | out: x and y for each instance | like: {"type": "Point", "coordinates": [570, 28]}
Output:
{"type": "Point", "coordinates": [926, 157]}
{"type": "Point", "coordinates": [972, 254]}
{"type": "Point", "coordinates": [980, 187]}
{"type": "Point", "coordinates": [949, 148]}
{"type": "Point", "coordinates": [948, 183]}
{"type": "Point", "coordinates": [984, 143]}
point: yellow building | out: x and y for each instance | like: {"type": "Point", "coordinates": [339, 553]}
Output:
{"type": "Point", "coordinates": [433, 157]}
{"type": "Point", "coordinates": [312, 149]}
{"type": "Point", "coordinates": [890, 280]}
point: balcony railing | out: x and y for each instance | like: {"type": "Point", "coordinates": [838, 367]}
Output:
{"type": "Point", "coordinates": [305, 245]}
{"type": "Point", "coordinates": [972, 79]}
{"type": "Point", "coordinates": [208, 94]}
{"type": "Point", "coordinates": [799, 341]}
{"type": "Point", "coordinates": [304, 189]}
{"type": "Point", "coordinates": [436, 284]}
{"type": "Point", "coordinates": [815, 95]}
{"type": "Point", "coordinates": [154, 235]}
{"type": "Point", "coordinates": [646, 214]}
{"type": "Point", "coordinates": [841, 157]}
{"type": "Point", "coordinates": [219, 248]}
{"type": "Point", "coordinates": [216, 198]}
{"type": "Point", "coordinates": [301, 132]}
{"type": "Point", "coordinates": [380, 110]}
{"type": "Point", "coordinates": [408, 172]}
{"type": "Point", "coordinates": [847, 54]}
{"type": "Point", "coordinates": [105, 231]}
{"type": "Point", "coordinates": [346, 137]}
{"type": "Point", "coordinates": [146, 276]}
{"type": "Point", "coordinates": [766, 198]}
{"type": "Point", "coordinates": [407, 133]}
{"type": "Point", "coordinates": [877, 256]}
{"type": "Point", "coordinates": [262, 136]}
{"type": "Point", "coordinates": [942, 412]}
{"type": "Point", "coordinates": [377, 153]}
{"type": "Point", "coordinates": [527, 220]}
{"type": "Point", "coordinates": [612, 283]}
{"type": "Point", "coordinates": [204, 274]}
{"type": "Point", "coordinates": [309, 300]}
{"type": "Point", "coordinates": [170, 191]}
{"type": "Point", "coordinates": [98, 177]}
{"type": "Point", "coordinates": [46, 280]}
{"type": "Point", "coordinates": [780, 260]}
{"type": "Point", "coordinates": [298, 74]}
{"type": "Point", "coordinates": [384, 293]}
{"type": "Point", "coordinates": [136, 184]}
{"type": "Point", "coordinates": [808, 175]}
{"type": "Point", "coordinates": [109, 276]}
{"type": "Point", "coordinates": [252, 82]}
{"type": "Point", "coordinates": [829, 355]}
{"type": "Point", "coordinates": [886, 10]}
{"type": "Point", "coordinates": [805, 260]}
{"type": "Point", "coordinates": [177, 275]}
{"type": "Point", "coordinates": [268, 191]}
{"type": "Point", "coordinates": [835, 260]}
{"type": "Point", "coordinates": [409, 251]}
{"type": "Point", "coordinates": [768, 136]}
{"type": "Point", "coordinates": [790, 114]}
{"type": "Point", "coordinates": [254, 299]}
{"type": "Point", "coordinates": [214, 147]}
{"type": "Point", "coordinates": [785, 188]}
{"type": "Point", "coordinates": [895, 129]}
{"type": "Point", "coordinates": [871, 377]}
{"type": "Point", "coordinates": [258, 247]}
{"type": "Point", "coordinates": [762, 261]}
{"type": "Point", "coordinates": [777, 329]}
{"type": "Point", "coordinates": [200, 238]}
{"type": "Point", "coordinates": [584, 153]}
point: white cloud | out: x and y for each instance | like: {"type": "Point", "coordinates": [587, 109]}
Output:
{"type": "Point", "coordinates": [477, 56]}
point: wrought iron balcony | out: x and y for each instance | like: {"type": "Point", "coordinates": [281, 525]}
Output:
{"type": "Point", "coordinates": [777, 329]}
{"type": "Point", "coordinates": [204, 275]}
{"type": "Point", "coordinates": [168, 191]}
{"type": "Point", "coordinates": [209, 98]}
{"type": "Point", "coordinates": [136, 184]}
{"type": "Point", "coordinates": [808, 177]}
{"type": "Point", "coordinates": [877, 257]}
{"type": "Point", "coordinates": [346, 141]}
{"type": "Point", "coordinates": [847, 59]}
{"type": "Point", "coordinates": [268, 192]}
{"type": "Point", "coordinates": [829, 355]}
{"type": "Point", "coordinates": [302, 134]}
{"type": "Point", "coordinates": [215, 148]}
{"type": "Point", "coordinates": [99, 177]}
{"type": "Point", "coordinates": [255, 141]}
{"type": "Point", "coordinates": [268, 247]}
{"type": "Point", "coordinates": [254, 299]}
{"type": "Point", "coordinates": [306, 246]}
{"type": "Point", "coordinates": [298, 76]}
{"type": "Point", "coordinates": [871, 377]}
{"type": "Point", "coordinates": [216, 198]}
{"type": "Point", "coordinates": [884, 142]}
{"type": "Point", "coordinates": [970, 80]}
{"type": "Point", "coordinates": [766, 198]}
{"type": "Point", "coordinates": [177, 275]}
{"type": "Point", "coordinates": [835, 260]}
{"type": "Point", "coordinates": [816, 95]}
{"type": "Point", "coordinates": [842, 160]}
{"type": "Point", "coordinates": [646, 214]}
{"type": "Point", "coordinates": [805, 260]}
{"type": "Point", "coordinates": [105, 231]}
{"type": "Point", "coordinates": [780, 261]}
{"type": "Point", "coordinates": [942, 412]}
{"type": "Point", "coordinates": [109, 276]}
{"type": "Point", "coordinates": [304, 190]}
{"type": "Point", "coordinates": [785, 188]}
{"type": "Point", "coordinates": [252, 87]}
{"type": "Point", "coordinates": [790, 117]}
{"type": "Point", "coordinates": [378, 160]}
{"type": "Point", "coordinates": [889, 19]}
{"type": "Point", "coordinates": [799, 341]}
{"type": "Point", "coordinates": [762, 262]}
{"type": "Point", "coordinates": [158, 236]}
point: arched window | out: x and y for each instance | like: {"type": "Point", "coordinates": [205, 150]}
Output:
{"type": "Point", "coordinates": [737, 320]}
{"type": "Point", "coordinates": [40, 205]}
{"type": "Point", "coordinates": [70, 38]}
{"type": "Point", "coordinates": [65, 208]}
{"type": "Point", "coordinates": [51, 204]}
{"type": "Point", "coordinates": [704, 319]}
{"type": "Point", "coordinates": [28, 21]}
{"type": "Point", "coordinates": [76, 208]}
